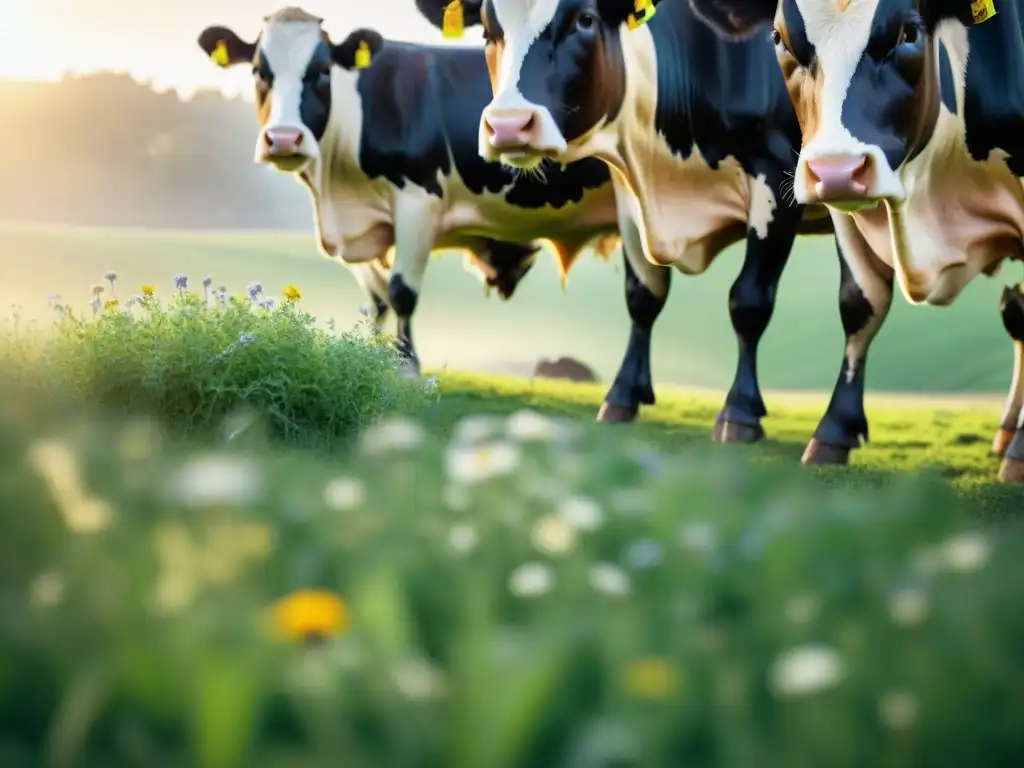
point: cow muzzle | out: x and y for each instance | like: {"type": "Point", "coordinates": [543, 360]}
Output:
{"type": "Point", "coordinates": [520, 136]}
{"type": "Point", "coordinates": [284, 147]}
{"type": "Point", "coordinates": [843, 181]}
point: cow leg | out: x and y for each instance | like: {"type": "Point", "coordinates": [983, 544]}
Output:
{"type": "Point", "coordinates": [1011, 429]}
{"type": "Point", "coordinates": [646, 291]}
{"type": "Point", "coordinates": [865, 293]}
{"type": "Point", "coordinates": [373, 279]}
{"type": "Point", "coordinates": [1011, 308]}
{"type": "Point", "coordinates": [416, 223]}
{"type": "Point", "coordinates": [751, 303]}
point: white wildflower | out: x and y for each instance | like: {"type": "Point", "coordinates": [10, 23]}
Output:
{"type": "Point", "coordinates": [908, 606]}
{"type": "Point", "coordinates": [967, 551]}
{"type": "Point", "coordinates": [343, 493]}
{"type": "Point", "coordinates": [609, 580]}
{"type": "Point", "coordinates": [463, 538]}
{"type": "Point", "coordinates": [476, 428]}
{"type": "Point", "coordinates": [471, 464]}
{"type": "Point", "coordinates": [215, 479]}
{"type": "Point", "coordinates": [898, 709]}
{"type": "Point", "coordinates": [418, 679]}
{"type": "Point", "coordinates": [581, 512]}
{"type": "Point", "coordinates": [806, 669]}
{"type": "Point", "coordinates": [47, 589]}
{"type": "Point", "coordinates": [393, 434]}
{"type": "Point", "coordinates": [553, 536]}
{"type": "Point", "coordinates": [531, 580]}
{"type": "Point", "coordinates": [699, 537]}
{"type": "Point", "coordinates": [528, 425]}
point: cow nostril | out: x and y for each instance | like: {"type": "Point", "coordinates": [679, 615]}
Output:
{"type": "Point", "coordinates": [298, 139]}
{"type": "Point", "coordinates": [267, 139]}
{"type": "Point", "coordinates": [528, 125]}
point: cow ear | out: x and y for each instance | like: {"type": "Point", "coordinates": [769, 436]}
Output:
{"type": "Point", "coordinates": [433, 11]}
{"type": "Point", "coordinates": [225, 47]}
{"type": "Point", "coordinates": [735, 19]}
{"type": "Point", "coordinates": [358, 49]}
{"type": "Point", "coordinates": [967, 12]}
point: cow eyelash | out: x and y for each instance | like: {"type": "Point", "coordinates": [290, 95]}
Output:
{"type": "Point", "coordinates": [777, 39]}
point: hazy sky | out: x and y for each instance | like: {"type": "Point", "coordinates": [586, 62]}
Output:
{"type": "Point", "coordinates": [155, 39]}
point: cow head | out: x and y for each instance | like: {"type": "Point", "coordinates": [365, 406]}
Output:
{"type": "Point", "coordinates": [292, 62]}
{"type": "Point", "coordinates": [863, 77]}
{"type": "Point", "coordinates": [557, 74]}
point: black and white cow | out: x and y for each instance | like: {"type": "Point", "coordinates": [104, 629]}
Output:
{"type": "Point", "coordinates": [703, 139]}
{"type": "Point", "coordinates": [913, 124]}
{"type": "Point", "coordinates": [388, 153]}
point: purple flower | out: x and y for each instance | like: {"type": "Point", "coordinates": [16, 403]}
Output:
{"type": "Point", "coordinates": [268, 304]}
{"type": "Point", "coordinates": [255, 290]}
{"type": "Point", "coordinates": [181, 282]}
{"type": "Point", "coordinates": [207, 281]}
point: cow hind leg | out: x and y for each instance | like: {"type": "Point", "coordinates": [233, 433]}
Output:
{"type": "Point", "coordinates": [646, 291]}
{"type": "Point", "coordinates": [751, 304]}
{"type": "Point", "coordinates": [1011, 308]}
{"type": "Point", "coordinates": [865, 294]}
{"type": "Point", "coordinates": [1009, 442]}
{"type": "Point", "coordinates": [373, 279]}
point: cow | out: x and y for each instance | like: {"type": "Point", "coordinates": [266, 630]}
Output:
{"type": "Point", "coordinates": [921, 150]}
{"type": "Point", "coordinates": [388, 153]}
{"type": "Point", "coordinates": [702, 138]}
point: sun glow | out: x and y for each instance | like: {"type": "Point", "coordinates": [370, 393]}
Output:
{"type": "Point", "coordinates": [22, 53]}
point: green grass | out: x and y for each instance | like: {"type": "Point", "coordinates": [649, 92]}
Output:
{"type": "Point", "coordinates": [499, 581]}
{"type": "Point", "coordinates": [908, 435]}
{"type": "Point", "coordinates": [962, 348]}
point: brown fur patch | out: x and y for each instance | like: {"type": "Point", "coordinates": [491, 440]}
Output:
{"type": "Point", "coordinates": [493, 53]}
{"type": "Point", "coordinates": [804, 86]}
{"type": "Point", "coordinates": [843, 5]}
{"type": "Point", "coordinates": [292, 13]}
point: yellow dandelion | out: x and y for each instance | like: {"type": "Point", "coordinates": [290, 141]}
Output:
{"type": "Point", "coordinates": [110, 303]}
{"type": "Point", "coordinates": [292, 292]}
{"type": "Point", "coordinates": [310, 613]}
{"type": "Point", "coordinates": [148, 290]}
{"type": "Point", "coordinates": [650, 678]}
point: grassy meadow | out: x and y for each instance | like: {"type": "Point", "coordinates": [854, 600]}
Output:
{"type": "Point", "coordinates": [234, 536]}
{"type": "Point", "coordinates": [960, 349]}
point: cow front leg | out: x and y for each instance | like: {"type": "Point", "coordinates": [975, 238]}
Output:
{"type": "Point", "coordinates": [751, 304]}
{"type": "Point", "coordinates": [865, 294]}
{"type": "Point", "coordinates": [1011, 308]}
{"type": "Point", "coordinates": [646, 291]}
{"type": "Point", "coordinates": [1009, 440]}
{"type": "Point", "coordinates": [416, 222]}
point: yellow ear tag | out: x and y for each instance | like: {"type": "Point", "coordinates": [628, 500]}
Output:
{"type": "Point", "coordinates": [220, 54]}
{"type": "Point", "coordinates": [982, 10]}
{"type": "Point", "coordinates": [363, 55]}
{"type": "Point", "coordinates": [453, 24]}
{"type": "Point", "coordinates": [644, 12]}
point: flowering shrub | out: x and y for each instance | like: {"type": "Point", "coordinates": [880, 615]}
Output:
{"type": "Point", "coordinates": [525, 592]}
{"type": "Point", "coordinates": [191, 358]}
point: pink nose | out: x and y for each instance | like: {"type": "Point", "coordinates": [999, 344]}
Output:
{"type": "Point", "coordinates": [839, 177]}
{"type": "Point", "coordinates": [282, 142]}
{"type": "Point", "coordinates": [509, 129]}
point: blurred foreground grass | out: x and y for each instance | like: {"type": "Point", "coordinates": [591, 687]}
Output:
{"type": "Point", "coordinates": [462, 590]}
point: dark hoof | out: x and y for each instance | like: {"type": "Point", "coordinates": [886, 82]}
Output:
{"type": "Point", "coordinates": [617, 414]}
{"type": "Point", "coordinates": [825, 453]}
{"type": "Point", "coordinates": [734, 432]}
{"type": "Point", "coordinates": [1003, 439]}
{"type": "Point", "coordinates": [1012, 471]}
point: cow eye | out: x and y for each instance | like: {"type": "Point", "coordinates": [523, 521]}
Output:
{"type": "Point", "coordinates": [585, 20]}
{"type": "Point", "coordinates": [908, 34]}
{"type": "Point", "coordinates": [777, 39]}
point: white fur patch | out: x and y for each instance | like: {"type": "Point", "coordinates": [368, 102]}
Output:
{"type": "Point", "coordinates": [288, 47]}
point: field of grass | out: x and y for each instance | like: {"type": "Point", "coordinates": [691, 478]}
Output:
{"type": "Point", "coordinates": [922, 349]}
{"type": "Point", "coordinates": [216, 552]}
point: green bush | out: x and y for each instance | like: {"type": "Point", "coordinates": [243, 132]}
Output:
{"type": "Point", "coordinates": [524, 594]}
{"type": "Point", "coordinates": [194, 358]}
